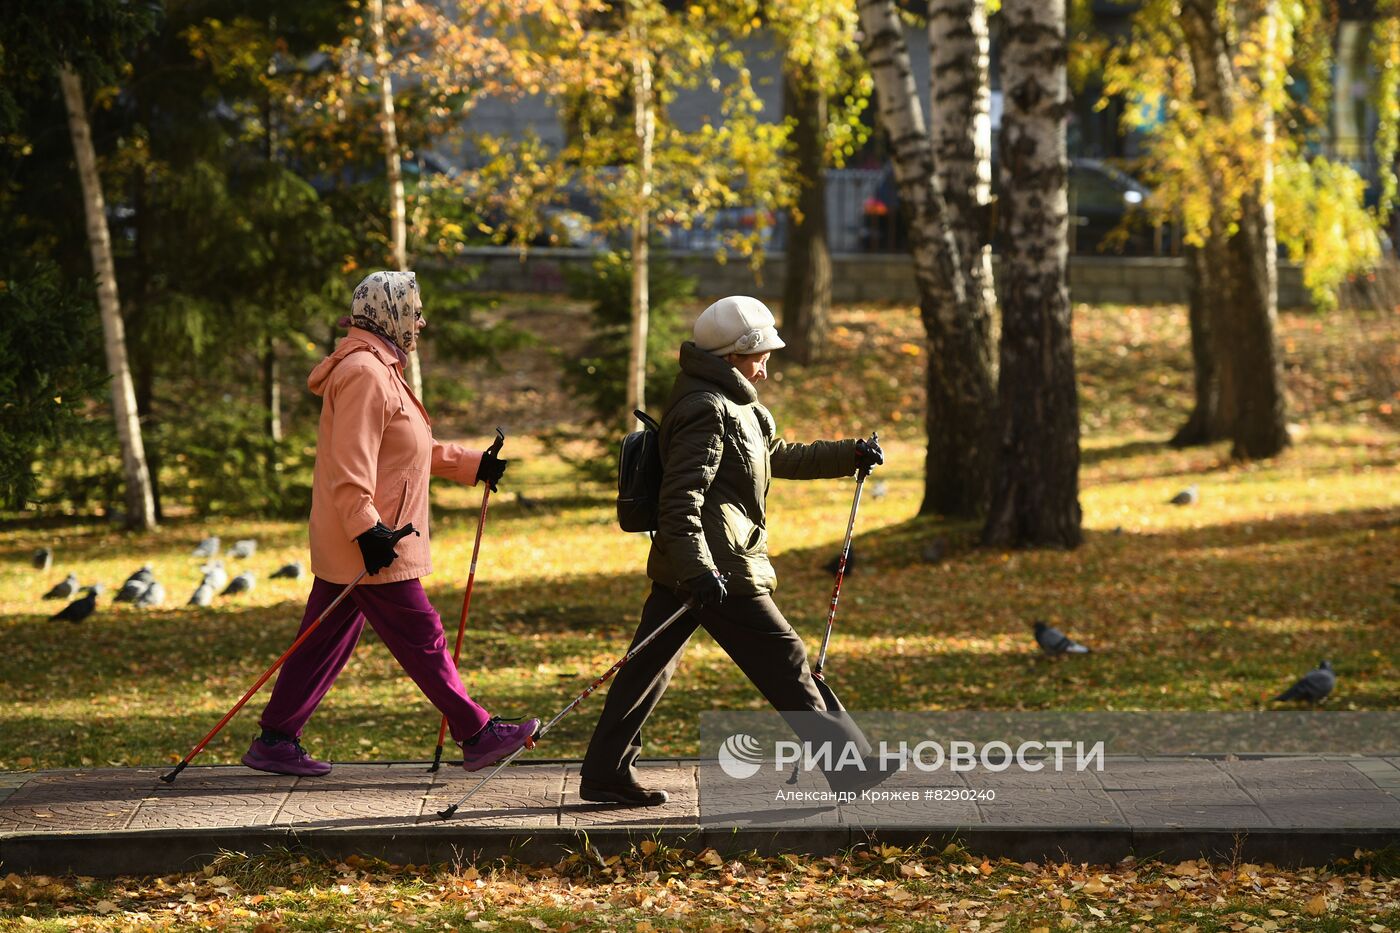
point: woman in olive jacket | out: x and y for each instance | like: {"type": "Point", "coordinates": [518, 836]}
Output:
{"type": "Point", "coordinates": [719, 450]}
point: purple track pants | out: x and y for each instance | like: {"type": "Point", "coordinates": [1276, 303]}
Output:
{"type": "Point", "coordinates": [405, 621]}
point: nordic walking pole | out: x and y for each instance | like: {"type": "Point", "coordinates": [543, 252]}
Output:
{"type": "Point", "coordinates": [841, 566]}
{"type": "Point", "coordinates": [403, 532]}
{"type": "Point", "coordinates": [495, 448]}
{"type": "Point", "coordinates": [689, 603]}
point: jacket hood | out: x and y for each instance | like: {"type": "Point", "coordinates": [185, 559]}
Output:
{"type": "Point", "coordinates": [356, 341]}
{"type": "Point", "coordinates": [706, 367]}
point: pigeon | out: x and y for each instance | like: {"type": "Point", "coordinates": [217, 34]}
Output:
{"type": "Point", "coordinates": [1188, 496]}
{"type": "Point", "coordinates": [135, 585]}
{"type": "Point", "coordinates": [934, 551]}
{"type": "Point", "coordinates": [152, 596]}
{"type": "Point", "coordinates": [247, 547]}
{"type": "Point", "coordinates": [42, 559]}
{"type": "Point", "coordinates": [203, 594]}
{"type": "Point", "coordinates": [879, 489]}
{"type": "Point", "coordinates": [80, 609]}
{"type": "Point", "coordinates": [292, 571]}
{"type": "Point", "coordinates": [243, 583]}
{"type": "Point", "coordinates": [63, 590]}
{"type": "Point", "coordinates": [1312, 686]}
{"type": "Point", "coordinates": [1052, 641]}
{"type": "Point", "coordinates": [207, 548]}
{"type": "Point", "coordinates": [215, 574]}
{"type": "Point", "coordinates": [834, 564]}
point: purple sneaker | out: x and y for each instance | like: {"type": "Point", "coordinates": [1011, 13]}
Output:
{"type": "Point", "coordinates": [497, 740]}
{"type": "Point", "coordinates": [284, 758]}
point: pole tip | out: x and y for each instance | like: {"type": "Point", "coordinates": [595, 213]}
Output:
{"type": "Point", "coordinates": [170, 777]}
{"type": "Point", "coordinates": [447, 814]}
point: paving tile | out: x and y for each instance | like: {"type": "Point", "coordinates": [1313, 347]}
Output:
{"type": "Point", "coordinates": [67, 801]}
{"type": "Point", "coordinates": [213, 797]}
{"type": "Point", "coordinates": [1080, 806]}
{"type": "Point", "coordinates": [677, 779]}
{"type": "Point", "coordinates": [1199, 807]}
{"type": "Point", "coordinates": [1198, 773]}
{"type": "Point", "coordinates": [520, 795]}
{"type": "Point", "coordinates": [357, 795]}
{"type": "Point", "coordinates": [1310, 773]}
{"type": "Point", "coordinates": [1331, 807]}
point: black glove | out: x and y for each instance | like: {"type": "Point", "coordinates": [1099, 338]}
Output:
{"type": "Point", "coordinates": [377, 546]}
{"type": "Point", "coordinates": [868, 455]}
{"type": "Point", "coordinates": [492, 467]}
{"type": "Point", "coordinates": [707, 589]}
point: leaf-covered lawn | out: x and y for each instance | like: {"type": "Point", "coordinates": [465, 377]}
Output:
{"type": "Point", "coordinates": [654, 888]}
{"type": "Point", "coordinates": [1212, 606]}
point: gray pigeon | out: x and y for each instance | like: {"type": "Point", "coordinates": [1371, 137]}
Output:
{"type": "Point", "coordinates": [247, 547]}
{"type": "Point", "coordinates": [79, 609]}
{"type": "Point", "coordinates": [215, 574]}
{"type": "Point", "coordinates": [1052, 641]}
{"type": "Point", "coordinates": [152, 596]}
{"type": "Point", "coordinates": [43, 559]}
{"type": "Point", "coordinates": [879, 489]}
{"type": "Point", "coordinates": [243, 583]}
{"type": "Point", "coordinates": [203, 594]}
{"type": "Point", "coordinates": [135, 585]}
{"type": "Point", "coordinates": [292, 571]}
{"type": "Point", "coordinates": [65, 589]}
{"type": "Point", "coordinates": [207, 548]}
{"type": "Point", "coordinates": [1188, 496]}
{"type": "Point", "coordinates": [934, 551]}
{"type": "Point", "coordinates": [1312, 686]}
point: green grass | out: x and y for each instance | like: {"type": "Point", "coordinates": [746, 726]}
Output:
{"type": "Point", "coordinates": [1215, 606]}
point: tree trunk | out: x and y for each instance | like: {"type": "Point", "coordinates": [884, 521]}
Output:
{"type": "Point", "coordinates": [644, 123]}
{"type": "Point", "coordinates": [1243, 270]}
{"type": "Point", "coordinates": [1035, 493]}
{"type": "Point", "coordinates": [961, 126]}
{"type": "Point", "coordinates": [961, 393]}
{"type": "Point", "coordinates": [140, 504]}
{"type": "Point", "coordinates": [398, 226]}
{"type": "Point", "coordinates": [1205, 424]}
{"type": "Point", "coordinates": [272, 406]}
{"type": "Point", "coordinates": [807, 277]}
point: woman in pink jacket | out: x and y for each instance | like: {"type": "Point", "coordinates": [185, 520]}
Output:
{"type": "Point", "coordinates": [374, 452]}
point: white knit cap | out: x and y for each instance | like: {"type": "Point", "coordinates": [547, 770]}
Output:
{"type": "Point", "coordinates": [738, 324]}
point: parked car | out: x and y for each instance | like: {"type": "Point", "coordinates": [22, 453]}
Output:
{"type": "Point", "coordinates": [716, 230]}
{"type": "Point", "coordinates": [1101, 198]}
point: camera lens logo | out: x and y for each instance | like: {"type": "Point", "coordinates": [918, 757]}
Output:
{"type": "Point", "coordinates": [739, 756]}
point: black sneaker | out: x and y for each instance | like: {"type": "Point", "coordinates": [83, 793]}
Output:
{"type": "Point", "coordinates": [633, 795]}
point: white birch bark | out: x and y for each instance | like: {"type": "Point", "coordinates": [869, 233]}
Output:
{"type": "Point", "coordinates": [140, 502]}
{"type": "Point", "coordinates": [393, 165]}
{"type": "Point", "coordinates": [960, 123]}
{"type": "Point", "coordinates": [644, 126]}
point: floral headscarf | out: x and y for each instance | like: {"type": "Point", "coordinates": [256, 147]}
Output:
{"type": "Point", "coordinates": [388, 304]}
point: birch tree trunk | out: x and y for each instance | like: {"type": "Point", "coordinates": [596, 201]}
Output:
{"type": "Point", "coordinates": [1244, 264]}
{"type": "Point", "coordinates": [961, 126]}
{"type": "Point", "coordinates": [140, 504]}
{"type": "Point", "coordinates": [1035, 493]}
{"type": "Point", "coordinates": [807, 275]}
{"type": "Point", "coordinates": [393, 165]}
{"type": "Point", "coordinates": [644, 123]}
{"type": "Point", "coordinates": [961, 393]}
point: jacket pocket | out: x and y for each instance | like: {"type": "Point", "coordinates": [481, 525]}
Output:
{"type": "Point", "coordinates": [741, 534]}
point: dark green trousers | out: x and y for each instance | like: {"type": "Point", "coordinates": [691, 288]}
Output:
{"type": "Point", "coordinates": [754, 634]}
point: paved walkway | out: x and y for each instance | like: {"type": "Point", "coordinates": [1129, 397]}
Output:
{"type": "Point", "coordinates": [1293, 810]}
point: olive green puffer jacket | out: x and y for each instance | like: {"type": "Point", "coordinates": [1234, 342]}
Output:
{"type": "Point", "coordinates": [719, 449]}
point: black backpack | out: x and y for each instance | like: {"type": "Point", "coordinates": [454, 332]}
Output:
{"type": "Point", "coordinates": [639, 477]}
